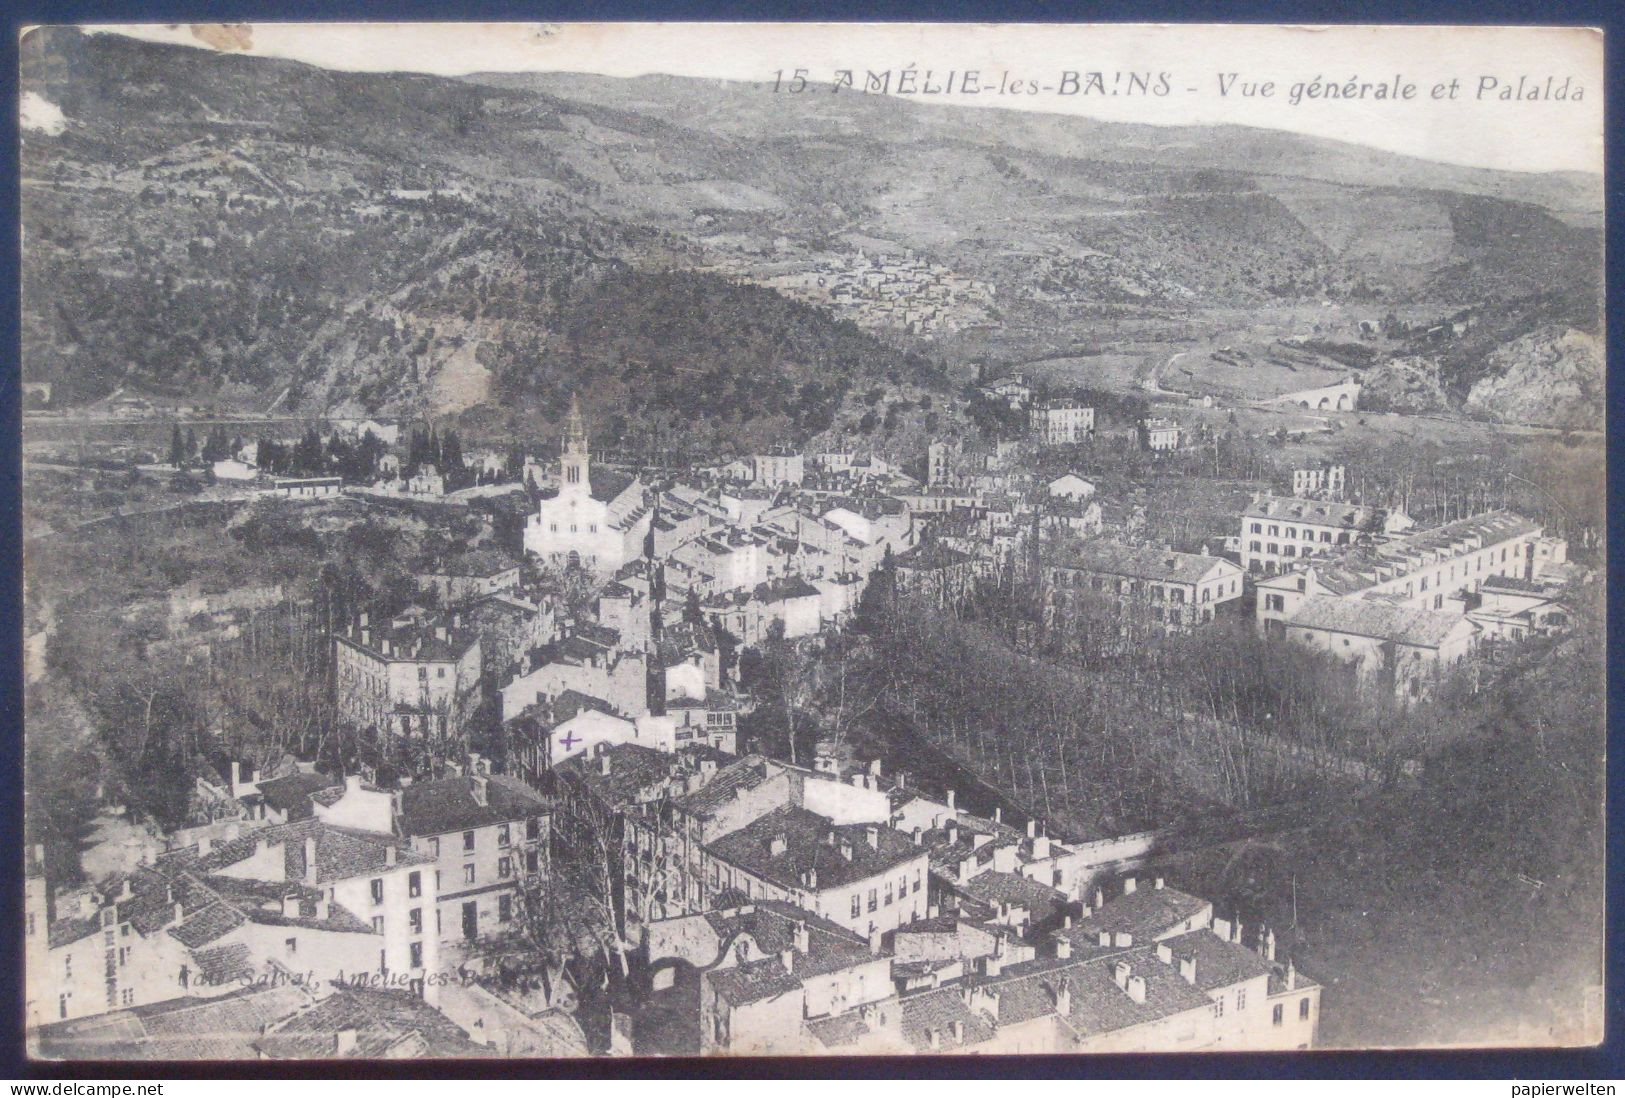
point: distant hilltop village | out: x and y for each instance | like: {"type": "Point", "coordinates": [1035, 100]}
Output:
{"type": "Point", "coordinates": [884, 291]}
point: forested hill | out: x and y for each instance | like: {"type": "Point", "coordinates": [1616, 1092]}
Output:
{"type": "Point", "coordinates": [259, 233]}
{"type": "Point", "coordinates": [216, 227]}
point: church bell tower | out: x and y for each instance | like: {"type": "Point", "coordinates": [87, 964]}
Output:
{"type": "Point", "coordinates": [573, 459]}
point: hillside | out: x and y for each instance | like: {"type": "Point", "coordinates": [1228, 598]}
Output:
{"type": "Point", "coordinates": [257, 233]}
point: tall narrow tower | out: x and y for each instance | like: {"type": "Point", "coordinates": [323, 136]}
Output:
{"type": "Point", "coordinates": [573, 459]}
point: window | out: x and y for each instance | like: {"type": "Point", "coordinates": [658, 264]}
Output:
{"type": "Point", "coordinates": [532, 862]}
{"type": "Point", "coordinates": [1252, 547]}
{"type": "Point", "coordinates": [504, 908]}
{"type": "Point", "coordinates": [290, 946]}
{"type": "Point", "coordinates": [1303, 1010]}
{"type": "Point", "coordinates": [377, 924]}
{"type": "Point", "coordinates": [1257, 528]}
{"type": "Point", "coordinates": [888, 894]}
{"type": "Point", "coordinates": [128, 997]}
{"type": "Point", "coordinates": [377, 890]}
{"type": "Point", "coordinates": [874, 901]}
{"type": "Point", "coordinates": [1241, 999]}
{"type": "Point", "coordinates": [468, 873]}
{"type": "Point", "coordinates": [62, 1006]}
{"type": "Point", "coordinates": [1218, 1007]}
{"type": "Point", "coordinates": [437, 881]}
{"type": "Point", "coordinates": [468, 840]}
{"type": "Point", "coordinates": [415, 951]}
{"type": "Point", "coordinates": [857, 905]}
{"type": "Point", "coordinates": [1276, 1014]}
{"type": "Point", "coordinates": [504, 867]}
{"type": "Point", "coordinates": [533, 829]}
{"type": "Point", "coordinates": [414, 920]}
{"type": "Point", "coordinates": [504, 836]}
{"type": "Point", "coordinates": [414, 884]}
{"type": "Point", "coordinates": [1275, 602]}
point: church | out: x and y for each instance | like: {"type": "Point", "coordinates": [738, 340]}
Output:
{"type": "Point", "coordinates": [596, 518]}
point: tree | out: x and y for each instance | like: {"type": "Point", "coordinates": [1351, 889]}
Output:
{"type": "Point", "coordinates": [177, 447]}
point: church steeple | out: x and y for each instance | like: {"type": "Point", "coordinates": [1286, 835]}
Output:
{"type": "Point", "coordinates": [573, 459]}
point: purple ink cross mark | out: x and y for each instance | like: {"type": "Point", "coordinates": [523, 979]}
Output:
{"type": "Point", "coordinates": [569, 740]}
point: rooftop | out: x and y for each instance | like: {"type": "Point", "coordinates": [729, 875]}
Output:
{"type": "Point", "coordinates": [466, 802]}
{"type": "Point", "coordinates": [1158, 565]}
{"type": "Point", "coordinates": [782, 845]}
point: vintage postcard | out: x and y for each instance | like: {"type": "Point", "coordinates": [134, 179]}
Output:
{"type": "Point", "coordinates": [564, 540]}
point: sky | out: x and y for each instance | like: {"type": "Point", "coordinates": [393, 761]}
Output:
{"type": "Point", "coordinates": [1503, 111]}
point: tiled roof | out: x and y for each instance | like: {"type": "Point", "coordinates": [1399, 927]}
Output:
{"type": "Point", "coordinates": [746, 773]}
{"type": "Point", "coordinates": [179, 1029]}
{"type": "Point", "coordinates": [1218, 963]}
{"type": "Point", "coordinates": [291, 795]}
{"type": "Point", "coordinates": [636, 773]}
{"type": "Point", "coordinates": [932, 555]}
{"type": "Point", "coordinates": [939, 1010]}
{"type": "Point", "coordinates": [1312, 511]}
{"type": "Point", "coordinates": [340, 852]}
{"type": "Point", "coordinates": [1143, 914]}
{"type": "Point", "coordinates": [807, 846]}
{"type": "Point", "coordinates": [386, 1024]}
{"type": "Point", "coordinates": [1366, 618]}
{"type": "Point", "coordinates": [994, 886]}
{"type": "Point", "coordinates": [772, 924]}
{"type": "Point", "coordinates": [449, 804]}
{"type": "Point", "coordinates": [1159, 565]}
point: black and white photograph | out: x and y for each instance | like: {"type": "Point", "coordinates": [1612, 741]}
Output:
{"type": "Point", "coordinates": [565, 540]}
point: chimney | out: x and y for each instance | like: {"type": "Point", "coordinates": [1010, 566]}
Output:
{"type": "Point", "coordinates": [478, 790]}
{"type": "Point", "coordinates": [953, 832]}
{"type": "Point", "coordinates": [998, 814]}
{"type": "Point", "coordinates": [1032, 829]}
{"type": "Point", "coordinates": [125, 892]}
{"type": "Point", "coordinates": [846, 850]}
{"type": "Point", "coordinates": [1159, 884]}
{"type": "Point", "coordinates": [290, 906]}
{"type": "Point", "coordinates": [1104, 939]}
{"type": "Point", "coordinates": [236, 776]}
{"type": "Point", "coordinates": [1067, 922]}
{"type": "Point", "coordinates": [966, 864]}
{"type": "Point", "coordinates": [1120, 974]}
{"type": "Point", "coordinates": [233, 831]}
{"type": "Point", "coordinates": [934, 1036]}
{"type": "Point", "coordinates": [310, 859]}
{"type": "Point", "coordinates": [874, 941]}
{"type": "Point", "coordinates": [959, 1032]}
{"type": "Point", "coordinates": [204, 845]}
{"type": "Point", "coordinates": [389, 856]}
{"type": "Point", "coordinates": [951, 800]}
{"type": "Point", "coordinates": [1100, 899]}
{"type": "Point", "coordinates": [344, 1042]}
{"type": "Point", "coordinates": [917, 836]}
{"type": "Point", "coordinates": [1122, 939]}
{"type": "Point", "coordinates": [1187, 969]}
{"type": "Point", "coordinates": [873, 835]}
{"type": "Point", "coordinates": [874, 768]}
{"type": "Point", "coordinates": [776, 845]}
{"type": "Point", "coordinates": [1164, 954]}
{"type": "Point", "coordinates": [364, 619]}
{"type": "Point", "coordinates": [1269, 945]}
{"type": "Point", "coordinates": [1063, 948]}
{"type": "Point", "coordinates": [1235, 933]}
{"type": "Point", "coordinates": [812, 878]}
{"type": "Point", "coordinates": [787, 958]}
{"type": "Point", "coordinates": [1221, 927]}
{"type": "Point", "coordinates": [1129, 885]}
{"type": "Point", "coordinates": [1136, 988]}
{"type": "Point", "coordinates": [803, 939]}
{"type": "Point", "coordinates": [352, 782]}
{"type": "Point", "coordinates": [180, 912]}
{"type": "Point", "coordinates": [1063, 997]}
{"type": "Point", "coordinates": [603, 764]}
{"type": "Point", "coordinates": [1041, 848]}
{"type": "Point", "coordinates": [1291, 976]}
{"type": "Point", "coordinates": [322, 907]}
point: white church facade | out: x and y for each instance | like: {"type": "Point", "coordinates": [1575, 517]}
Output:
{"type": "Point", "coordinates": [598, 519]}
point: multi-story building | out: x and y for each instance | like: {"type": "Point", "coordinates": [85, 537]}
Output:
{"type": "Point", "coordinates": [487, 837]}
{"type": "Point", "coordinates": [1319, 482]}
{"type": "Point", "coordinates": [417, 675]}
{"type": "Point", "coordinates": [780, 465]}
{"type": "Point", "coordinates": [1177, 590]}
{"type": "Point", "coordinates": [1159, 435]}
{"type": "Point", "coordinates": [1278, 531]}
{"type": "Point", "coordinates": [1422, 570]}
{"type": "Point", "coordinates": [595, 520]}
{"type": "Point", "coordinates": [475, 574]}
{"type": "Point", "coordinates": [1061, 422]}
{"type": "Point", "coordinates": [778, 980]}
